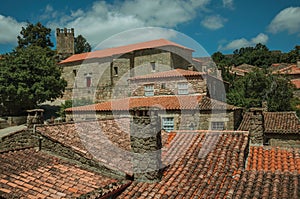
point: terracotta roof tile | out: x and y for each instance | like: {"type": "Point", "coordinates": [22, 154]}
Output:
{"type": "Point", "coordinates": [170, 73]}
{"type": "Point", "coordinates": [112, 138]}
{"type": "Point", "coordinates": [281, 122]}
{"type": "Point", "coordinates": [273, 159]}
{"type": "Point", "coordinates": [201, 166]}
{"type": "Point", "coordinates": [296, 82]}
{"type": "Point", "coordinates": [169, 102]}
{"type": "Point", "coordinates": [35, 174]}
{"type": "Point", "coordinates": [275, 122]}
{"type": "Point", "coordinates": [289, 70]}
{"type": "Point", "coordinates": [108, 52]}
{"type": "Point", "coordinates": [211, 166]}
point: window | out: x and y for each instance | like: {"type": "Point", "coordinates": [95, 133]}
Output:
{"type": "Point", "coordinates": [149, 90]}
{"type": "Point", "coordinates": [88, 81]}
{"type": "Point", "coordinates": [217, 126]}
{"type": "Point", "coordinates": [116, 71]}
{"type": "Point", "coordinates": [75, 72]}
{"type": "Point", "coordinates": [153, 66]}
{"type": "Point", "coordinates": [163, 86]}
{"type": "Point", "coordinates": [183, 88]}
{"type": "Point", "coordinates": [168, 123]}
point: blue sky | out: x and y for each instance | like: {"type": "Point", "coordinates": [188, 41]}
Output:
{"type": "Point", "coordinates": [217, 25]}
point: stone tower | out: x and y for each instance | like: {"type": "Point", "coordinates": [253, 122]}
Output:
{"type": "Point", "coordinates": [65, 42]}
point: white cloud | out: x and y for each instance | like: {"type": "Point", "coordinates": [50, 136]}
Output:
{"type": "Point", "coordinates": [242, 42]}
{"type": "Point", "coordinates": [213, 22]}
{"type": "Point", "coordinates": [287, 20]}
{"type": "Point", "coordinates": [228, 4]}
{"type": "Point", "coordinates": [106, 19]}
{"type": "Point", "coordinates": [9, 29]}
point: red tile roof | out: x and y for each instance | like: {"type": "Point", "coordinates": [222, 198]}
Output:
{"type": "Point", "coordinates": [168, 102]}
{"type": "Point", "coordinates": [112, 138]}
{"type": "Point", "coordinates": [273, 159]}
{"type": "Point", "coordinates": [296, 82]}
{"type": "Point", "coordinates": [204, 166]}
{"type": "Point", "coordinates": [281, 122]}
{"type": "Point", "coordinates": [122, 50]}
{"type": "Point", "coordinates": [274, 122]}
{"type": "Point", "coordinates": [35, 174]}
{"type": "Point", "coordinates": [290, 70]}
{"type": "Point", "coordinates": [171, 73]}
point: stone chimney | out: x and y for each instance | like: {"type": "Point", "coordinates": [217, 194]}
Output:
{"type": "Point", "coordinates": [257, 126]}
{"type": "Point", "coordinates": [145, 138]}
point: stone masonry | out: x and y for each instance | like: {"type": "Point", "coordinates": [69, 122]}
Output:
{"type": "Point", "coordinates": [146, 144]}
{"type": "Point", "coordinates": [257, 126]}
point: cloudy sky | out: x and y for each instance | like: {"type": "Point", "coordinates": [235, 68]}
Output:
{"type": "Point", "coordinates": [217, 25]}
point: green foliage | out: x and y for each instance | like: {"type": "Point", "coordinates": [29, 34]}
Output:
{"type": "Point", "coordinates": [81, 45]}
{"type": "Point", "coordinates": [257, 86]}
{"type": "Point", "coordinates": [37, 35]}
{"type": "Point", "coordinates": [28, 76]}
{"type": "Point", "coordinates": [73, 103]}
{"type": "Point", "coordinates": [259, 56]}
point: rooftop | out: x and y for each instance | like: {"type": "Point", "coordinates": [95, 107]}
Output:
{"type": "Point", "coordinates": [36, 174]}
{"type": "Point", "coordinates": [168, 102]}
{"type": "Point", "coordinates": [263, 158]}
{"type": "Point", "coordinates": [108, 52]}
{"type": "Point", "coordinates": [275, 122]}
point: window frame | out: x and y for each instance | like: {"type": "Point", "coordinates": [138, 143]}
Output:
{"type": "Point", "coordinates": [149, 90]}
{"type": "Point", "coordinates": [183, 88]}
{"type": "Point", "coordinates": [167, 123]}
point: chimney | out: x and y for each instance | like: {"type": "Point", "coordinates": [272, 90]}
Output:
{"type": "Point", "coordinates": [298, 63]}
{"type": "Point", "coordinates": [145, 138]}
{"type": "Point", "coordinates": [257, 126]}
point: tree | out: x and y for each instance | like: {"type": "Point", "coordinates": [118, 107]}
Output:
{"type": "Point", "coordinates": [28, 76]}
{"type": "Point", "coordinates": [81, 45]}
{"type": "Point", "coordinates": [37, 35]}
{"type": "Point", "coordinates": [257, 86]}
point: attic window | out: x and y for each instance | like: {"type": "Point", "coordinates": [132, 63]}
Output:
{"type": "Point", "coordinates": [153, 66]}
{"type": "Point", "coordinates": [75, 72]}
{"type": "Point", "coordinates": [116, 71]}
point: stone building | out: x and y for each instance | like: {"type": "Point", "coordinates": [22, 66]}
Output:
{"type": "Point", "coordinates": [272, 128]}
{"type": "Point", "coordinates": [177, 112]}
{"type": "Point", "coordinates": [102, 75]}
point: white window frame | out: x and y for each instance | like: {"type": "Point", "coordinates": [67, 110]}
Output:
{"type": "Point", "coordinates": [149, 89]}
{"type": "Point", "coordinates": [183, 88]}
{"type": "Point", "coordinates": [167, 123]}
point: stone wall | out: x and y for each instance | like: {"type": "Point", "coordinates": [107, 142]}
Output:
{"type": "Point", "coordinates": [285, 140]}
{"type": "Point", "coordinates": [112, 73]}
{"type": "Point", "coordinates": [168, 86]}
{"type": "Point", "coordinates": [183, 120]}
